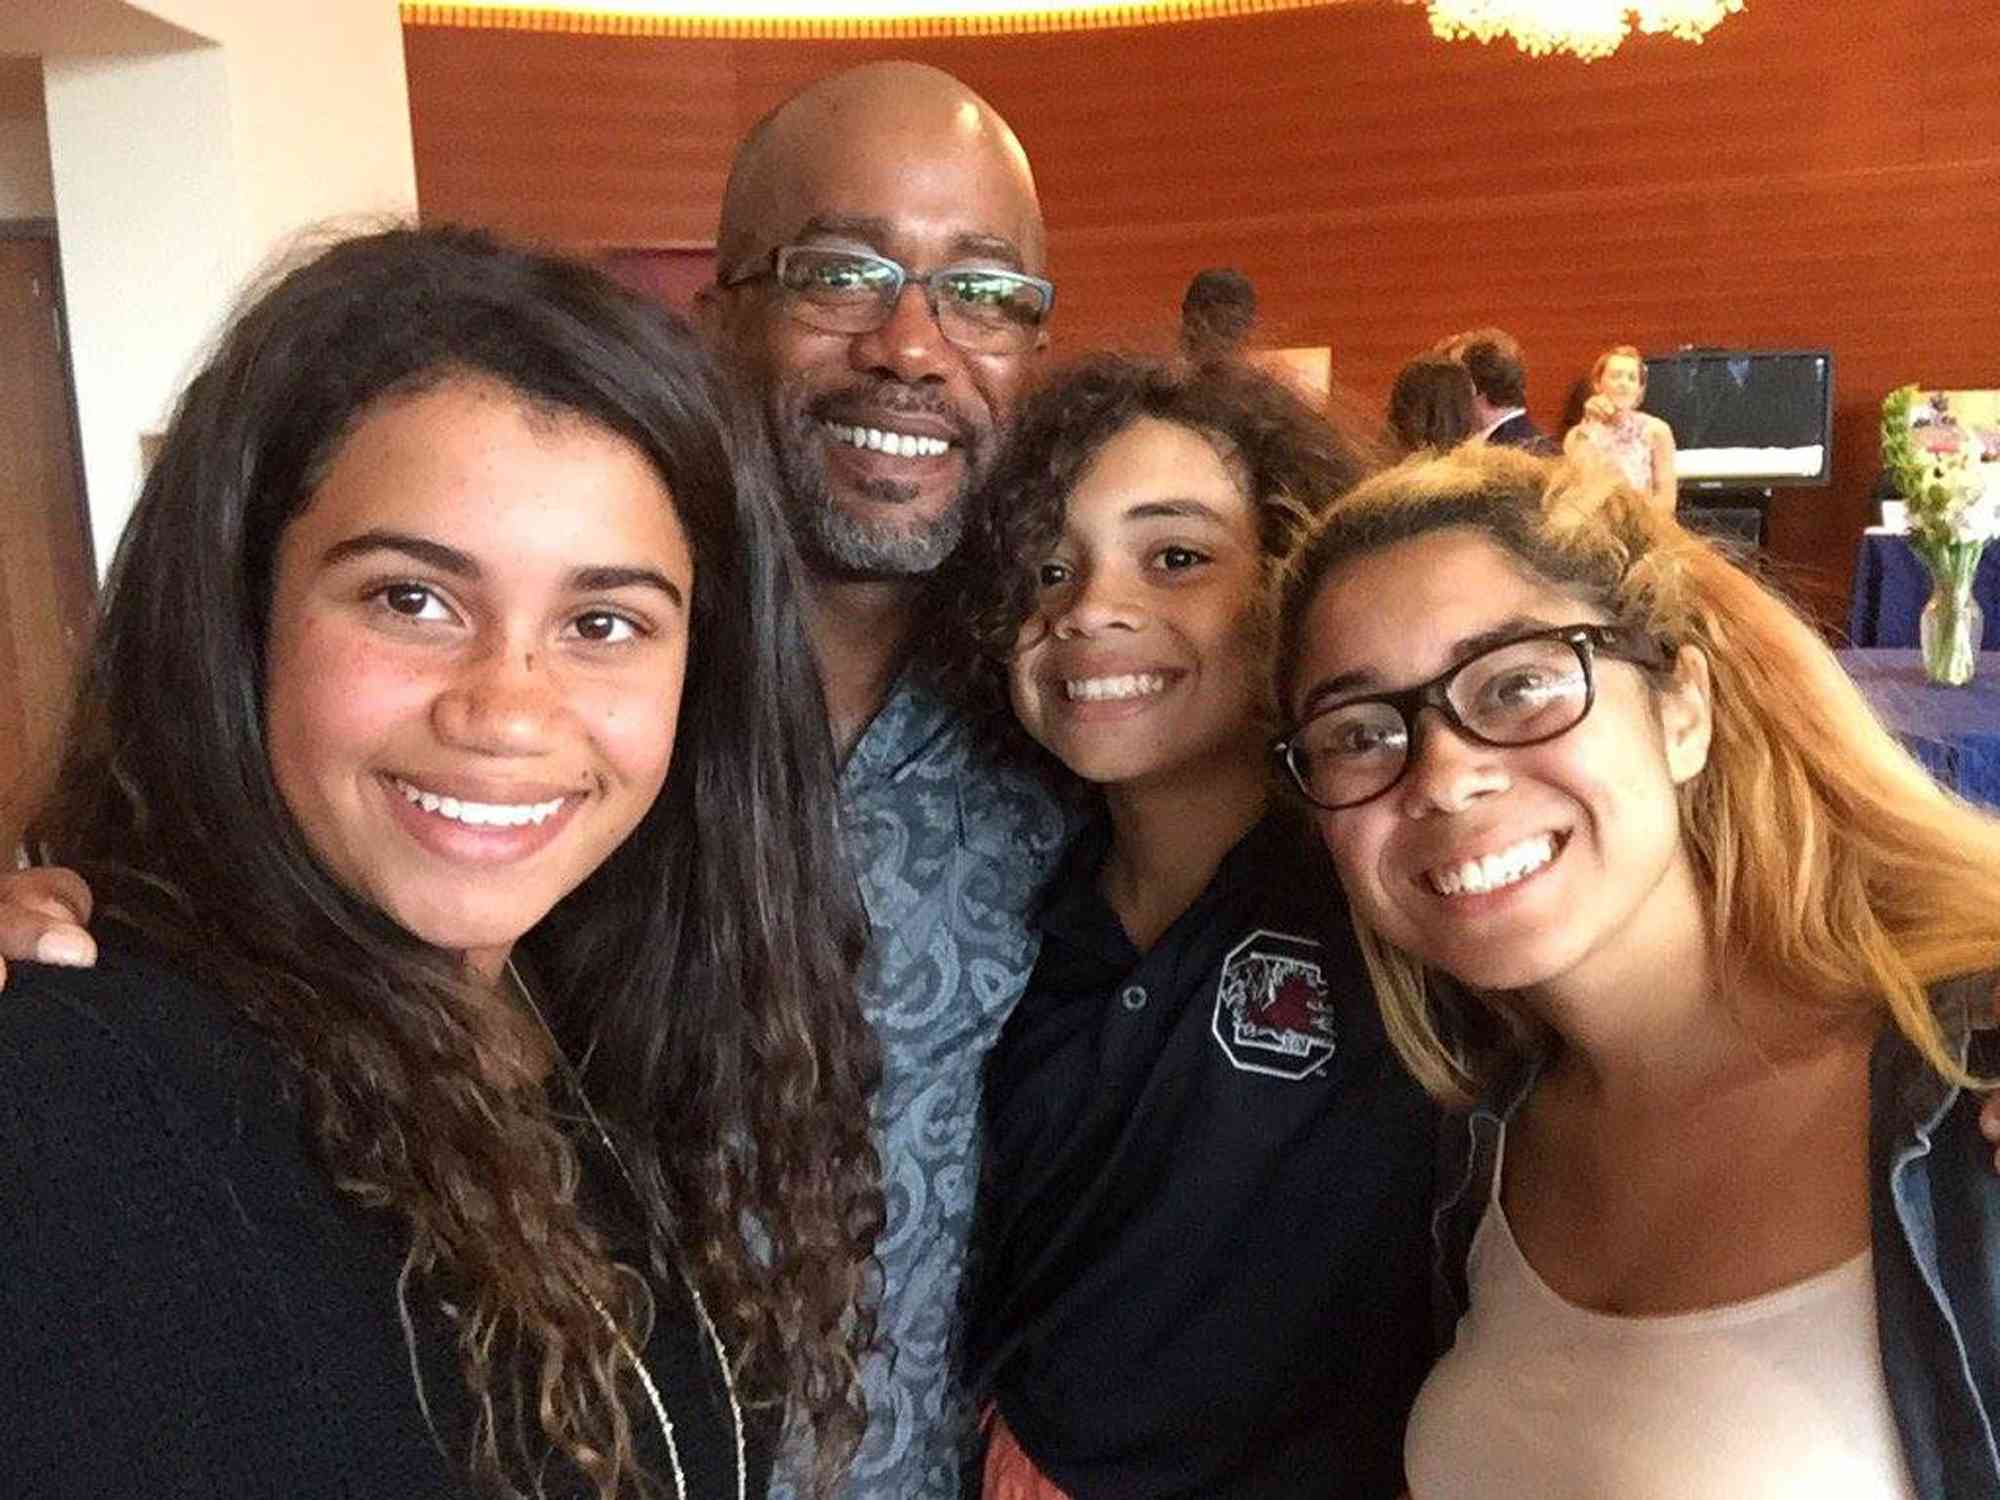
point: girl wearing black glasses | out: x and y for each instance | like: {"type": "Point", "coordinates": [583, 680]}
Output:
{"type": "Point", "coordinates": [1644, 884]}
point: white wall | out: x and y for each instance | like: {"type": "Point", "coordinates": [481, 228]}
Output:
{"type": "Point", "coordinates": [26, 189]}
{"type": "Point", "coordinates": [152, 243]}
{"type": "Point", "coordinates": [179, 173]}
{"type": "Point", "coordinates": [319, 108]}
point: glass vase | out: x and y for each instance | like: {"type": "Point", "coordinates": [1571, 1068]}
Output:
{"type": "Point", "coordinates": [1950, 629]}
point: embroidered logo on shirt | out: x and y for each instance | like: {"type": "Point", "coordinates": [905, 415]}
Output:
{"type": "Point", "coordinates": [1272, 1011]}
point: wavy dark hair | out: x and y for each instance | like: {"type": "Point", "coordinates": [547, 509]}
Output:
{"type": "Point", "coordinates": [1290, 459]}
{"type": "Point", "coordinates": [705, 970]}
{"type": "Point", "coordinates": [1430, 405]}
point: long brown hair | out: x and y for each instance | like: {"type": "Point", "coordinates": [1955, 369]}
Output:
{"type": "Point", "coordinates": [705, 970]}
{"type": "Point", "coordinates": [1828, 854]}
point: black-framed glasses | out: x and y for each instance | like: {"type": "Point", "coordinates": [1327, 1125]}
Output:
{"type": "Point", "coordinates": [1524, 691]}
{"type": "Point", "coordinates": [982, 309]}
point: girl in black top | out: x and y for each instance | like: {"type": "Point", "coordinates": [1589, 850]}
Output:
{"type": "Point", "coordinates": [473, 1096]}
{"type": "Point", "coordinates": [1201, 1256]}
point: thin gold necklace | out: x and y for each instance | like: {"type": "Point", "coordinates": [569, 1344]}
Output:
{"type": "Point", "coordinates": [694, 1292]}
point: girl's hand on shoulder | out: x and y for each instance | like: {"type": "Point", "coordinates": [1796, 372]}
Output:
{"type": "Point", "coordinates": [43, 913]}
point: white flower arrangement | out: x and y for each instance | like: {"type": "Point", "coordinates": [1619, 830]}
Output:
{"type": "Point", "coordinates": [1957, 497]}
{"type": "Point", "coordinates": [1953, 499]}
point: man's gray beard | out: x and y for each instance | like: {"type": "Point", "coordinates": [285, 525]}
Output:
{"type": "Point", "coordinates": [843, 545]}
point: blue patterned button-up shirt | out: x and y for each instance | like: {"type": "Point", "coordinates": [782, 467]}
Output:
{"type": "Point", "coordinates": [951, 852]}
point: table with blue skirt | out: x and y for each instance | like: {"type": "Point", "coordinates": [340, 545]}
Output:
{"type": "Point", "coordinates": [1891, 585]}
{"type": "Point", "coordinates": [1955, 731]}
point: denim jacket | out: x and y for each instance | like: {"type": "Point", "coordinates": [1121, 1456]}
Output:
{"type": "Point", "coordinates": [1934, 1201]}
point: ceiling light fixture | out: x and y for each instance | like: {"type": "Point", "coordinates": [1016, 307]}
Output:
{"type": "Point", "coordinates": [1588, 29]}
{"type": "Point", "coordinates": [844, 20]}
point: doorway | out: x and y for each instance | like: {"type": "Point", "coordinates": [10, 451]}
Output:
{"type": "Point", "coordinates": [47, 571]}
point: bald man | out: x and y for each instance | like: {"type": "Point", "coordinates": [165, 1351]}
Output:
{"type": "Point", "coordinates": [879, 284]}
{"type": "Point", "coordinates": [880, 432]}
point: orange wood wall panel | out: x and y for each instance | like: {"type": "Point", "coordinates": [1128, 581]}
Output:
{"type": "Point", "coordinates": [1818, 172]}
{"type": "Point", "coordinates": [577, 139]}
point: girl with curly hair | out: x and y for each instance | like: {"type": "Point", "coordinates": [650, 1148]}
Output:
{"type": "Point", "coordinates": [471, 1096]}
{"type": "Point", "coordinates": [1201, 1157]}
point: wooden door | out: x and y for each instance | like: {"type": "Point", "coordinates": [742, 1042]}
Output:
{"type": "Point", "coordinates": [47, 577]}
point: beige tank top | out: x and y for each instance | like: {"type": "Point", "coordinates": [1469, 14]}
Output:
{"type": "Point", "coordinates": [1778, 1397]}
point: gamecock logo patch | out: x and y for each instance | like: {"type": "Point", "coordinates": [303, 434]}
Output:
{"type": "Point", "coordinates": [1272, 1012]}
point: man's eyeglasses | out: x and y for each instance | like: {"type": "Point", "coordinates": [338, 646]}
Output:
{"type": "Point", "coordinates": [981, 309]}
{"type": "Point", "coordinates": [1525, 691]}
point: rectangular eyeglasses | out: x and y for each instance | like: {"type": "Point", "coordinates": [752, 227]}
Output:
{"type": "Point", "coordinates": [981, 309]}
{"type": "Point", "coordinates": [1523, 691]}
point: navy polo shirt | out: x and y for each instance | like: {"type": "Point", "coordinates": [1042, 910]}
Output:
{"type": "Point", "coordinates": [1202, 1254]}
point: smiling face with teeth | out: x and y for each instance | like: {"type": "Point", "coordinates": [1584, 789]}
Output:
{"type": "Point", "coordinates": [880, 436]}
{"type": "Point", "coordinates": [1142, 659]}
{"type": "Point", "coordinates": [1530, 867]}
{"type": "Point", "coordinates": [478, 633]}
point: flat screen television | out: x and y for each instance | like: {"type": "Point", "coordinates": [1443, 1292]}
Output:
{"type": "Point", "coordinates": [1745, 419]}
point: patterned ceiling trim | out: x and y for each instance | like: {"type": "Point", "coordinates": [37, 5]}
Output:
{"type": "Point", "coordinates": [839, 28]}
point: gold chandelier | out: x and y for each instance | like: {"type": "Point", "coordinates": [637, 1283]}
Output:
{"type": "Point", "coordinates": [1587, 28]}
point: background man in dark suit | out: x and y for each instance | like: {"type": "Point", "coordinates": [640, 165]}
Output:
{"type": "Point", "coordinates": [1492, 357]}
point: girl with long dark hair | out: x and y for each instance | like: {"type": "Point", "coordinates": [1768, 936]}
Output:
{"type": "Point", "coordinates": [472, 1093]}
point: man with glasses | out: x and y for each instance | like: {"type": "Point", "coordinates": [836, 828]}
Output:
{"type": "Point", "coordinates": [878, 280]}
{"type": "Point", "coordinates": [879, 283]}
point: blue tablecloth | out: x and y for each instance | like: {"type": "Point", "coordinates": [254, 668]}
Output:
{"type": "Point", "coordinates": [1891, 585]}
{"type": "Point", "coordinates": [1953, 730]}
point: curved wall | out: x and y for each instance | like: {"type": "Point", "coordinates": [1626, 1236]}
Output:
{"type": "Point", "coordinates": [1813, 174]}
